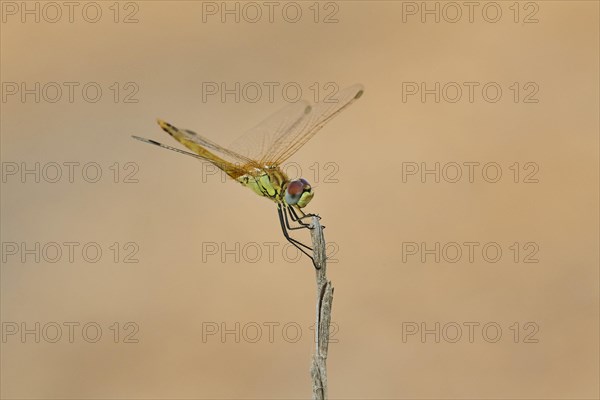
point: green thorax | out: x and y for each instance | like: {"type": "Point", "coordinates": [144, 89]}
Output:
{"type": "Point", "coordinates": [269, 182]}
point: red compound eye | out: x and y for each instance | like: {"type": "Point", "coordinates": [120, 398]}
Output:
{"type": "Point", "coordinates": [295, 188]}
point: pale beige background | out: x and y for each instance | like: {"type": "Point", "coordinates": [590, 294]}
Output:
{"type": "Point", "coordinates": [170, 293]}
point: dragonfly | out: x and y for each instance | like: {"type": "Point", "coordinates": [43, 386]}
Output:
{"type": "Point", "coordinates": [255, 159]}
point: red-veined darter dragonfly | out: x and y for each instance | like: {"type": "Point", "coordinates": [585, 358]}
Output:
{"type": "Point", "coordinates": [255, 158]}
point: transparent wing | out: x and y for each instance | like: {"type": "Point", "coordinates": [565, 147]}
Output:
{"type": "Point", "coordinates": [231, 162]}
{"type": "Point", "coordinates": [227, 154]}
{"type": "Point", "coordinates": [272, 141]}
{"type": "Point", "coordinates": [289, 142]}
{"type": "Point", "coordinates": [278, 137]}
{"type": "Point", "coordinates": [256, 142]}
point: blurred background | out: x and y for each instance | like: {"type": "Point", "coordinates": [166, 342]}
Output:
{"type": "Point", "coordinates": [460, 196]}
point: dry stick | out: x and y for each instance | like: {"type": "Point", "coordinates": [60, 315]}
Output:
{"type": "Point", "coordinates": [318, 369]}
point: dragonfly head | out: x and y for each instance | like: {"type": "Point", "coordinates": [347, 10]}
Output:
{"type": "Point", "coordinates": [298, 192]}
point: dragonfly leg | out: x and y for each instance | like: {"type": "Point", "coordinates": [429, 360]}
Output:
{"type": "Point", "coordinates": [303, 215]}
{"type": "Point", "coordinates": [285, 226]}
{"type": "Point", "coordinates": [289, 211]}
{"type": "Point", "coordinates": [293, 241]}
{"type": "Point", "coordinates": [294, 216]}
{"type": "Point", "coordinates": [299, 219]}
